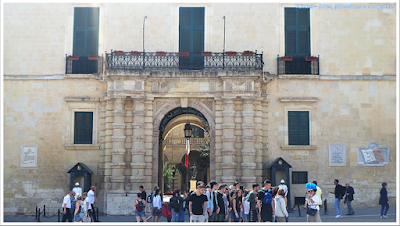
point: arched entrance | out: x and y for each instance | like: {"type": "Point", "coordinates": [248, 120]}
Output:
{"type": "Point", "coordinates": [172, 144]}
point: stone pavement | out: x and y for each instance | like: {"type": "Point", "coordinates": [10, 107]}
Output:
{"type": "Point", "coordinates": [361, 215]}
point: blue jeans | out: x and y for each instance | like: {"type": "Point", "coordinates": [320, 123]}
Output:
{"type": "Point", "coordinates": [245, 217]}
{"type": "Point", "coordinates": [181, 215]}
{"type": "Point", "coordinates": [349, 207]}
{"type": "Point", "coordinates": [175, 217]}
{"type": "Point", "coordinates": [337, 207]}
{"type": "Point", "coordinates": [383, 210]}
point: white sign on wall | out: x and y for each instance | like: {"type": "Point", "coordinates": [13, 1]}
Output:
{"type": "Point", "coordinates": [337, 155]}
{"type": "Point", "coordinates": [29, 155]}
{"type": "Point", "coordinates": [373, 155]}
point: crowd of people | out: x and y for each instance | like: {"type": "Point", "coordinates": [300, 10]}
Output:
{"type": "Point", "coordinates": [219, 203]}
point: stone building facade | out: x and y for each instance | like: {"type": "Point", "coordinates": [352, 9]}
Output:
{"type": "Point", "coordinates": [348, 99]}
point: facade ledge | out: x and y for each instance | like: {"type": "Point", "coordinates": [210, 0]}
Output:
{"type": "Point", "coordinates": [298, 99]}
{"type": "Point", "coordinates": [299, 147]}
{"type": "Point", "coordinates": [82, 147]}
{"type": "Point", "coordinates": [82, 76]}
{"type": "Point", "coordinates": [82, 99]}
{"type": "Point", "coordinates": [299, 76]}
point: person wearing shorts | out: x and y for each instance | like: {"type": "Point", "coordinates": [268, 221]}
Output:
{"type": "Point", "coordinates": [140, 213]}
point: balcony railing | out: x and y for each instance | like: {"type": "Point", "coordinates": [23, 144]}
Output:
{"type": "Point", "coordinates": [298, 65]}
{"type": "Point", "coordinates": [176, 61]}
{"type": "Point", "coordinates": [83, 65]}
{"type": "Point", "coordinates": [182, 141]}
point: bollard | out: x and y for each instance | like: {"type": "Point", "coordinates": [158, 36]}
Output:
{"type": "Point", "coordinates": [298, 206]}
{"type": "Point", "coordinates": [44, 210]}
{"type": "Point", "coordinates": [36, 214]}
{"type": "Point", "coordinates": [39, 216]}
{"type": "Point", "coordinates": [97, 214]}
{"type": "Point", "coordinates": [325, 207]}
{"type": "Point", "coordinates": [58, 215]}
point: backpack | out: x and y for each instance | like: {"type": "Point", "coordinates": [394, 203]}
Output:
{"type": "Point", "coordinates": [150, 198]}
{"type": "Point", "coordinates": [82, 211]}
{"type": "Point", "coordinates": [267, 197]}
{"type": "Point", "coordinates": [342, 191]}
{"type": "Point", "coordinates": [140, 206]}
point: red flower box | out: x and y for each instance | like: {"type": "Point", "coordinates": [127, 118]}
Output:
{"type": "Point", "coordinates": [287, 58]}
{"type": "Point", "coordinates": [206, 53]}
{"type": "Point", "coordinates": [310, 58]}
{"type": "Point", "coordinates": [93, 57]}
{"type": "Point", "coordinates": [73, 57]}
{"type": "Point", "coordinates": [230, 53]}
{"type": "Point", "coordinates": [248, 53]}
{"type": "Point", "coordinates": [183, 54]}
{"type": "Point", "coordinates": [136, 53]}
{"type": "Point", "coordinates": [160, 53]}
{"type": "Point", "coordinates": [119, 53]}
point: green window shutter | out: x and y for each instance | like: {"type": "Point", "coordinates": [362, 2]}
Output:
{"type": "Point", "coordinates": [83, 128]}
{"type": "Point", "coordinates": [86, 31]}
{"type": "Point", "coordinates": [299, 132]}
{"type": "Point", "coordinates": [297, 32]}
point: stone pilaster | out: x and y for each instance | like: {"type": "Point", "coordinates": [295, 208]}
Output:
{"type": "Point", "coordinates": [108, 144]}
{"type": "Point", "coordinates": [248, 164]}
{"type": "Point", "coordinates": [118, 151]}
{"type": "Point", "coordinates": [264, 142]}
{"type": "Point", "coordinates": [138, 151]}
{"type": "Point", "coordinates": [258, 144]}
{"type": "Point", "coordinates": [148, 144]}
{"type": "Point", "coordinates": [228, 150]}
{"type": "Point", "coordinates": [218, 143]}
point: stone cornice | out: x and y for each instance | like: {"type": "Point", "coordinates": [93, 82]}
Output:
{"type": "Point", "coordinates": [80, 147]}
{"type": "Point", "coordinates": [298, 99]}
{"type": "Point", "coordinates": [81, 99]}
{"type": "Point", "coordinates": [299, 147]}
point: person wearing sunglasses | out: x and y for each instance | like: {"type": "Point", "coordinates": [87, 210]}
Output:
{"type": "Point", "coordinates": [312, 203]}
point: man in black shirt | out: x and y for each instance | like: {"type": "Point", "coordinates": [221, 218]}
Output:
{"type": "Point", "coordinates": [253, 203]}
{"type": "Point", "coordinates": [266, 208]}
{"type": "Point", "coordinates": [144, 195]}
{"type": "Point", "coordinates": [222, 214]}
{"type": "Point", "coordinates": [198, 203]}
{"type": "Point", "coordinates": [338, 196]}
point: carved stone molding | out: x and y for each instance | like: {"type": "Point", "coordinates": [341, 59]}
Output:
{"type": "Point", "coordinates": [137, 125]}
{"type": "Point", "coordinates": [229, 165]}
{"type": "Point", "coordinates": [248, 138]}
{"type": "Point", "coordinates": [118, 138]}
{"type": "Point", "coordinates": [118, 125]}
{"type": "Point", "coordinates": [138, 165]}
{"type": "Point", "coordinates": [248, 152]}
{"type": "Point", "coordinates": [248, 166]}
{"type": "Point", "coordinates": [134, 179]}
{"type": "Point", "coordinates": [228, 125]}
{"type": "Point", "coordinates": [228, 113]}
{"type": "Point", "coordinates": [138, 151]}
{"type": "Point", "coordinates": [228, 138]}
{"type": "Point", "coordinates": [248, 113]}
{"type": "Point", "coordinates": [248, 125]}
{"type": "Point", "coordinates": [119, 165]}
{"type": "Point", "coordinates": [248, 179]}
{"type": "Point", "coordinates": [299, 147]}
{"type": "Point", "coordinates": [119, 113]}
{"type": "Point", "coordinates": [118, 151]}
{"type": "Point", "coordinates": [298, 99]}
{"type": "Point", "coordinates": [228, 152]}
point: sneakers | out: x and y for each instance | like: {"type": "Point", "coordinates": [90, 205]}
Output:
{"type": "Point", "coordinates": [384, 216]}
{"type": "Point", "coordinates": [338, 216]}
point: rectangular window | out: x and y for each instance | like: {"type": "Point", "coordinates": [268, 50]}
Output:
{"type": "Point", "coordinates": [191, 37]}
{"type": "Point", "coordinates": [299, 177]}
{"type": "Point", "coordinates": [299, 131]}
{"type": "Point", "coordinates": [86, 39]}
{"type": "Point", "coordinates": [83, 128]}
{"type": "Point", "coordinates": [297, 40]}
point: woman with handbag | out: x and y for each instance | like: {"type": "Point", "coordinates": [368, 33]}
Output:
{"type": "Point", "coordinates": [312, 203]}
{"type": "Point", "coordinates": [157, 208]}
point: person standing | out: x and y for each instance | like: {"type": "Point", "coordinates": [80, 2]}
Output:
{"type": "Point", "coordinates": [181, 215]}
{"type": "Point", "coordinates": [228, 203]}
{"type": "Point", "coordinates": [338, 197]}
{"type": "Point", "coordinates": [198, 204]}
{"type": "Point", "coordinates": [312, 203]}
{"type": "Point", "coordinates": [319, 193]}
{"type": "Point", "coordinates": [237, 205]}
{"type": "Point", "coordinates": [280, 206]}
{"type": "Point", "coordinates": [175, 206]}
{"type": "Point", "coordinates": [265, 202]}
{"type": "Point", "coordinates": [151, 201]}
{"type": "Point", "coordinates": [384, 201]}
{"type": "Point", "coordinates": [157, 206]}
{"type": "Point", "coordinates": [66, 205]}
{"type": "Point", "coordinates": [246, 206]}
{"type": "Point", "coordinates": [285, 188]}
{"type": "Point", "coordinates": [140, 205]}
{"type": "Point", "coordinates": [78, 207]}
{"type": "Point", "coordinates": [92, 198]}
{"type": "Point", "coordinates": [77, 189]}
{"type": "Point", "coordinates": [86, 203]}
{"type": "Point", "coordinates": [349, 198]}
{"type": "Point", "coordinates": [252, 199]}
{"type": "Point", "coordinates": [144, 194]}
{"type": "Point", "coordinates": [222, 212]}
{"type": "Point", "coordinates": [212, 203]}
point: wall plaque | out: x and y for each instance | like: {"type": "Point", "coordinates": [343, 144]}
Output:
{"type": "Point", "coordinates": [337, 155]}
{"type": "Point", "coordinates": [28, 155]}
{"type": "Point", "coordinates": [373, 155]}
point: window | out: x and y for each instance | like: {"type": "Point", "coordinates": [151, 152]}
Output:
{"type": "Point", "coordinates": [299, 132]}
{"type": "Point", "coordinates": [297, 40]}
{"type": "Point", "coordinates": [299, 177]}
{"type": "Point", "coordinates": [197, 132]}
{"type": "Point", "coordinates": [83, 128]}
{"type": "Point", "coordinates": [191, 37]}
{"type": "Point", "coordinates": [86, 39]}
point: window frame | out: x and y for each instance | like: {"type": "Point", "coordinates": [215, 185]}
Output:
{"type": "Point", "coordinates": [84, 119]}
{"type": "Point", "coordinates": [298, 172]}
{"type": "Point", "coordinates": [83, 107]}
{"type": "Point", "coordinates": [289, 128]}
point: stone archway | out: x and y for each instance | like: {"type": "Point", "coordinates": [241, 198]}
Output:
{"type": "Point", "coordinates": [161, 113]}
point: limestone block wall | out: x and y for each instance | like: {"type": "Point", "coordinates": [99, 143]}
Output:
{"type": "Point", "coordinates": [36, 113]}
{"type": "Point", "coordinates": [350, 112]}
{"type": "Point", "coordinates": [39, 35]}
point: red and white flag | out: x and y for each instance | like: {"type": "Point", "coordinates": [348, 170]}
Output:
{"type": "Point", "coordinates": [187, 153]}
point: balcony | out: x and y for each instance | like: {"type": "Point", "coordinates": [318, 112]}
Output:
{"type": "Point", "coordinates": [305, 65]}
{"type": "Point", "coordinates": [83, 64]}
{"type": "Point", "coordinates": [182, 141]}
{"type": "Point", "coordinates": [173, 61]}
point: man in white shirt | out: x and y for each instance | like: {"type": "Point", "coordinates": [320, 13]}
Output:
{"type": "Point", "coordinates": [66, 205]}
{"type": "Point", "coordinates": [283, 185]}
{"type": "Point", "coordinates": [77, 189]}
{"type": "Point", "coordinates": [91, 199]}
{"type": "Point", "coordinates": [86, 202]}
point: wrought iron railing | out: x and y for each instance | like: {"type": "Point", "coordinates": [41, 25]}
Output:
{"type": "Point", "coordinates": [83, 65]}
{"type": "Point", "coordinates": [306, 65]}
{"type": "Point", "coordinates": [176, 61]}
{"type": "Point", "coordinates": [182, 141]}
